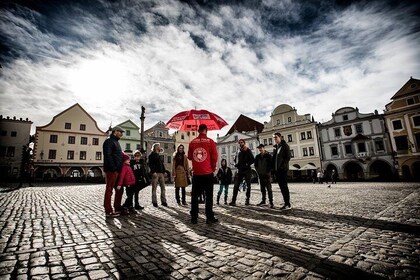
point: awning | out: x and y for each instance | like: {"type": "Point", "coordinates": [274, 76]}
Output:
{"type": "Point", "coordinates": [308, 167]}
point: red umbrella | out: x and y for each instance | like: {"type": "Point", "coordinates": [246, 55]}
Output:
{"type": "Point", "coordinates": [190, 120]}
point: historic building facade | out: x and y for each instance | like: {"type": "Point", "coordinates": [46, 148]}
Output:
{"type": "Point", "coordinates": [130, 141]}
{"type": "Point", "coordinates": [300, 133]}
{"type": "Point", "coordinates": [70, 146]}
{"type": "Point", "coordinates": [159, 134]}
{"type": "Point", "coordinates": [402, 117]}
{"type": "Point", "coordinates": [356, 145]}
{"type": "Point", "coordinates": [14, 134]}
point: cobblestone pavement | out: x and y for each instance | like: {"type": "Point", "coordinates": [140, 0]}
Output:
{"type": "Point", "coordinates": [351, 230]}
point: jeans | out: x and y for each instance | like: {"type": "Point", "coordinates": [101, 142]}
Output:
{"type": "Point", "coordinates": [202, 183]}
{"type": "Point", "coordinates": [111, 182]}
{"type": "Point", "coordinates": [281, 176]}
{"type": "Point", "coordinates": [265, 186]}
{"type": "Point", "coordinates": [158, 178]}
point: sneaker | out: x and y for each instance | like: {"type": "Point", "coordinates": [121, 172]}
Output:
{"type": "Point", "coordinates": [139, 207]}
{"type": "Point", "coordinates": [261, 203]}
{"type": "Point", "coordinates": [232, 204]}
{"type": "Point", "coordinates": [212, 221]}
{"type": "Point", "coordinates": [155, 204]}
{"type": "Point", "coordinates": [165, 204]}
{"type": "Point", "coordinates": [247, 202]}
{"type": "Point", "coordinates": [286, 207]}
{"type": "Point", "coordinates": [271, 205]}
{"type": "Point", "coordinates": [184, 203]}
{"type": "Point", "coordinates": [112, 214]}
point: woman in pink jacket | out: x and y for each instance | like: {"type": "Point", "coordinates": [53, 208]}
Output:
{"type": "Point", "coordinates": [126, 178]}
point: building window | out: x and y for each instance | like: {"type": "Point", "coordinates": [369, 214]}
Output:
{"type": "Point", "coordinates": [3, 133]}
{"type": "Point", "coordinates": [52, 154]}
{"type": "Point", "coordinates": [289, 138]}
{"type": "Point", "coordinates": [162, 158]}
{"type": "Point", "coordinates": [359, 128]}
{"type": "Point", "coordinates": [53, 138]}
{"type": "Point", "coordinates": [345, 117]}
{"type": "Point", "coordinates": [302, 136]}
{"type": "Point", "coordinates": [292, 153]}
{"type": "Point", "coordinates": [410, 101]}
{"type": "Point", "coordinates": [397, 124]}
{"type": "Point", "coordinates": [70, 154]}
{"type": "Point", "coordinates": [72, 139]}
{"type": "Point", "coordinates": [305, 152]}
{"type": "Point", "coordinates": [337, 132]}
{"type": "Point", "coordinates": [235, 138]}
{"type": "Point", "coordinates": [234, 149]}
{"type": "Point", "coordinates": [334, 151]}
{"type": "Point", "coordinates": [416, 120]}
{"type": "Point", "coordinates": [223, 150]}
{"type": "Point", "coordinates": [127, 133]}
{"type": "Point", "coordinates": [278, 122]}
{"type": "Point", "coordinates": [169, 159]}
{"type": "Point", "coordinates": [417, 136]}
{"type": "Point", "coordinates": [270, 141]}
{"type": "Point", "coordinates": [311, 151]}
{"type": "Point", "coordinates": [10, 151]}
{"type": "Point", "coordinates": [13, 134]}
{"type": "Point", "coordinates": [182, 137]}
{"type": "Point", "coordinates": [165, 145]}
{"type": "Point", "coordinates": [83, 155]}
{"type": "Point", "coordinates": [348, 149]}
{"type": "Point", "coordinates": [83, 127]}
{"type": "Point", "coordinates": [251, 146]}
{"type": "Point", "coordinates": [160, 134]}
{"type": "Point", "coordinates": [95, 141]}
{"type": "Point", "coordinates": [127, 146]}
{"type": "Point", "coordinates": [309, 134]}
{"type": "Point", "coordinates": [401, 143]}
{"type": "Point", "coordinates": [265, 141]}
{"type": "Point", "coordinates": [379, 145]}
{"type": "Point", "coordinates": [67, 125]}
{"type": "Point", "coordinates": [361, 147]}
{"type": "Point", "coordinates": [138, 147]}
{"type": "Point", "coordinates": [98, 156]}
{"type": "Point", "coordinates": [83, 141]}
{"type": "Point", "coordinates": [289, 119]}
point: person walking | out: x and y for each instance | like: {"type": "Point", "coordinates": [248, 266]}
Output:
{"type": "Point", "coordinates": [180, 169]}
{"type": "Point", "coordinates": [245, 159]}
{"type": "Point", "coordinates": [113, 161]}
{"type": "Point", "coordinates": [157, 169]}
{"type": "Point", "coordinates": [126, 179]}
{"type": "Point", "coordinates": [203, 154]}
{"type": "Point", "coordinates": [280, 165]}
{"type": "Point", "coordinates": [224, 175]}
{"type": "Point", "coordinates": [263, 167]}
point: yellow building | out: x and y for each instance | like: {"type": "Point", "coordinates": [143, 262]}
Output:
{"type": "Point", "coordinates": [402, 116]}
{"type": "Point", "coordinates": [70, 146]}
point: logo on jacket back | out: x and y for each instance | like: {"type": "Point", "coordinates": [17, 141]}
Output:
{"type": "Point", "coordinates": [200, 155]}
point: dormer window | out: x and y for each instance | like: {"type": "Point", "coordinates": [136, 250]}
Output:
{"type": "Point", "coordinates": [345, 117]}
{"type": "Point", "coordinates": [410, 101]}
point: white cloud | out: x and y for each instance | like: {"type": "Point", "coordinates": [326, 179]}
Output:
{"type": "Point", "coordinates": [151, 57]}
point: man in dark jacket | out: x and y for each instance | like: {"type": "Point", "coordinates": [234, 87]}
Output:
{"type": "Point", "coordinates": [157, 170]}
{"type": "Point", "coordinates": [113, 160]}
{"type": "Point", "coordinates": [244, 161]}
{"type": "Point", "coordinates": [263, 167]}
{"type": "Point", "coordinates": [280, 165]}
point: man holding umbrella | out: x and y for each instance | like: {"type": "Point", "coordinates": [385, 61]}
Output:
{"type": "Point", "coordinates": [203, 154]}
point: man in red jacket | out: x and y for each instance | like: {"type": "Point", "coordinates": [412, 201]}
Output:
{"type": "Point", "coordinates": [203, 154]}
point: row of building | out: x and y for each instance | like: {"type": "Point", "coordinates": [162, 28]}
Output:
{"type": "Point", "coordinates": [356, 145]}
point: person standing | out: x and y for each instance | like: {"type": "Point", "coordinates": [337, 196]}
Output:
{"type": "Point", "coordinates": [280, 165]}
{"type": "Point", "coordinates": [26, 167]}
{"type": "Point", "coordinates": [126, 179]}
{"type": "Point", "coordinates": [263, 167]}
{"type": "Point", "coordinates": [203, 154]}
{"type": "Point", "coordinates": [245, 159]}
{"type": "Point", "coordinates": [225, 178]}
{"type": "Point", "coordinates": [157, 169]}
{"type": "Point", "coordinates": [180, 169]}
{"type": "Point", "coordinates": [113, 160]}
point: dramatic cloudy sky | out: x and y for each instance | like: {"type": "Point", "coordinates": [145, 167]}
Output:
{"type": "Point", "coordinates": [230, 57]}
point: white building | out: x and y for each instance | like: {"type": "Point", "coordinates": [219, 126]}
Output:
{"type": "Point", "coordinates": [69, 146]}
{"type": "Point", "coordinates": [300, 133]}
{"type": "Point", "coordinates": [356, 145]}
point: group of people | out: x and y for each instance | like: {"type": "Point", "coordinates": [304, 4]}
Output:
{"type": "Point", "coordinates": [136, 174]}
{"type": "Point", "coordinates": [323, 176]}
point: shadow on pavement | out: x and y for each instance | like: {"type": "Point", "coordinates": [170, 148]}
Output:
{"type": "Point", "coordinates": [305, 259]}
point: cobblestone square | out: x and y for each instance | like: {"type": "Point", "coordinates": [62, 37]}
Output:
{"type": "Point", "coordinates": [347, 231]}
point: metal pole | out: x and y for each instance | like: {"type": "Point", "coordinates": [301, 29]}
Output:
{"type": "Point", "coordinates": [142, 129]}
